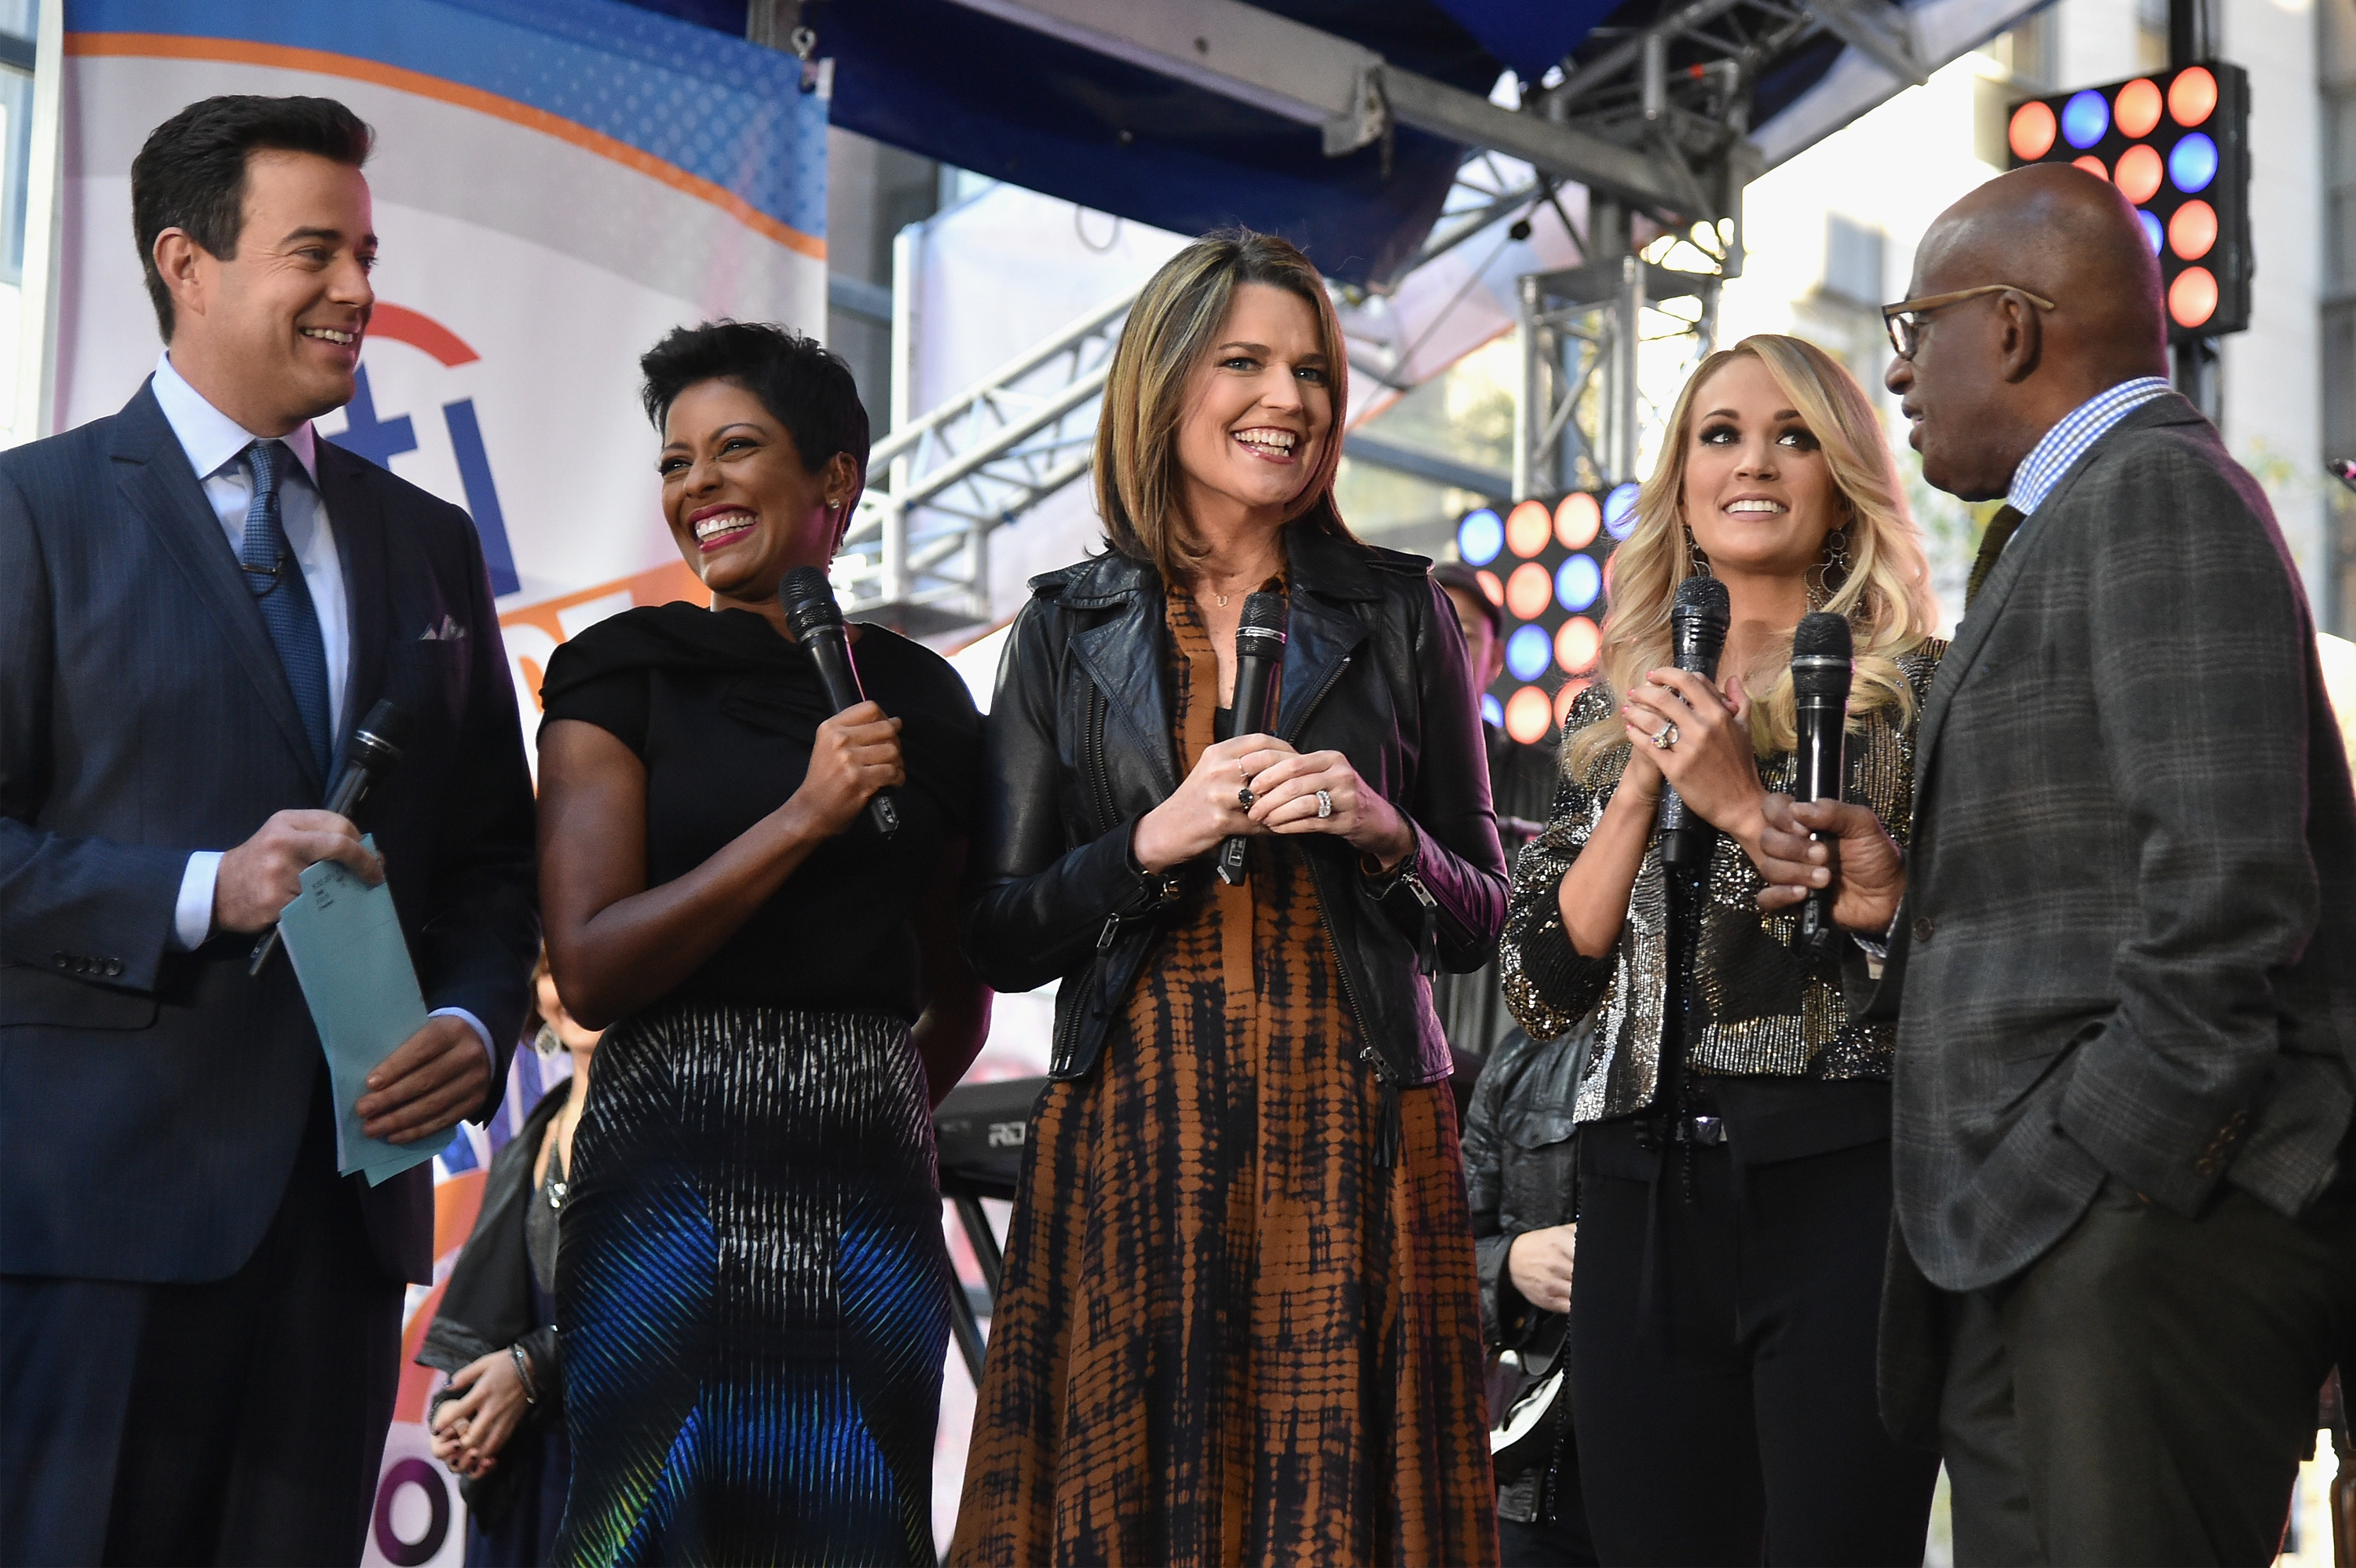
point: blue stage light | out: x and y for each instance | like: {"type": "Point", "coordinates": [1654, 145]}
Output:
{"type": "Point", "coordinates": [1492, 710]}
{"type": "Point", "coordinates": [1480, 537]}
{"type": "Point", "coordinates": [2152, 232]}
{"type": "Point", "coordinates": [1620, 511]}
{"type": "Point", "coordinates": [1528, 652]}
{"type": "Point", "coordinates": [2085, 118]}
{"type": "Point", "coordinates": [1577, 582]}
{"type": "Point", "coordinates": [2194, 164]}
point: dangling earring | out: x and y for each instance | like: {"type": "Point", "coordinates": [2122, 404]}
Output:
{"type": "Point", "coordinates": [1700, 556]}
{"type": "Point", "coordinates": [1828, 576]}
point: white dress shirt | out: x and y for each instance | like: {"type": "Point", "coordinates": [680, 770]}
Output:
{"type": "Point", "coordinates": [216, 444]}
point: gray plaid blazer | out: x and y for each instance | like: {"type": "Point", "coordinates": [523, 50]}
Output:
{"type": "Point", "coordinates": [2129, 939]}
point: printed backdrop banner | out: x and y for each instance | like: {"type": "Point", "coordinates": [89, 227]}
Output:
{"type": "Point", "coordinates": [557, 184]}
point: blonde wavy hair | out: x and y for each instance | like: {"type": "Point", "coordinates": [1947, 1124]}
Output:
{"type": "Point", "coordinates": [1173, 323]}
{"type": "Point", "coordinates": [1887, 596]}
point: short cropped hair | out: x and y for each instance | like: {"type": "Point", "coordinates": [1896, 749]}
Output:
{"type": "Point", "coordinates": [806, 387]}
{"type": "Point", "coordinates": [1457, 577]}
{"type": "Point", "coordinates": [191, 174]}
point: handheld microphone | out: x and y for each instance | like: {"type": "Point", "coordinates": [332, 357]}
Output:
{"type": "Point", "coordinates": [1822, 669]}
{"type": "Point", "coordinates": [1259, 663]}
{"type": "Point", "coordinates": [1698, 634]}
{"type": "Point", "coordinates": [817, 622]}
{"type": "Point", "coordinates": [375, 750]}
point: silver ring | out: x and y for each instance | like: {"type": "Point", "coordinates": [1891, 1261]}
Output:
{"type": "Point", "coordinates": [1667, 737]}
{"type": "Point", "coordinates": [1324, 806]}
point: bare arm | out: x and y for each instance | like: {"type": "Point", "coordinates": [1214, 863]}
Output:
{"type": "Point", "coordinates": [614, 944]}
{"type": "Point", "coordinates": [957, 1004]}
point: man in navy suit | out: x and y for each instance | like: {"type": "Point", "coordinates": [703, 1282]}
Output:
{"type": "Point", "coordinates": [199, 1319]}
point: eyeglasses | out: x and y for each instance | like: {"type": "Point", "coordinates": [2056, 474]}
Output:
{"type": "Point", "coordinates": [1903, 321]}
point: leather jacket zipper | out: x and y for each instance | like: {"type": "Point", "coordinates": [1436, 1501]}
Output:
{"type": "Point", "coordinates": [1387, 1129]}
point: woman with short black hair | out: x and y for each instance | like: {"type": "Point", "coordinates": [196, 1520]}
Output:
{"type": "Point", "coordinates": [752, 1289]}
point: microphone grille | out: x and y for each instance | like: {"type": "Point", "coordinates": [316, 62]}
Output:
{"type": "Point", "coordinates": [807, 598]}
{"type": "Point", "coordinates": [1266, 613]}
{"type": "Point", "coordinates": [389, 722]}
{"type": "Point", "coordinates": [1701, 596]}
{"type": "Point", "coordinates": [1822, 634]}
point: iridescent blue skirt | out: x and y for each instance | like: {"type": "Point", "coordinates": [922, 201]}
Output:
{"type": "Point", "coordinates": [753, 1291]}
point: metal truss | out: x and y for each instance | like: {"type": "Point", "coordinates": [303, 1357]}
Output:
{"type": "Point", "coordinates": [938, 484]}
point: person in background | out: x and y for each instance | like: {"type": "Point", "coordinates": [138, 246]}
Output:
{"type": "Point", "coordinates": [1521, 1182]}
{"type": "Point", "coordinates": [1240, 1322]}
{"type": "Point", "coordinates": [2121, 949]}
{"type": "Point", "coordinates": [754, 1288]}
{"type": "Point", "coordinates": [1471, 1006]}
{"type": "Point", "coordinates": [1733, 1189]}
{"type": "Point", "coordinates": [499, 1421]}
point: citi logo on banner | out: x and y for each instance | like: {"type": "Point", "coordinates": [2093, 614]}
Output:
{"type": "Point", "coordinates": [380, 439]}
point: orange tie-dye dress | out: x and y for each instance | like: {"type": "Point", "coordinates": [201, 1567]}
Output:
{"type": "Point", "coordinates": [1227, 1335]}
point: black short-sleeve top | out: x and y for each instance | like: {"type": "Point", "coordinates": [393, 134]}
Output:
{"type": "Point", "coordinates": [722, 709]}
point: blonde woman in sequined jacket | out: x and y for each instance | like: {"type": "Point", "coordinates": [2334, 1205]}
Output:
{"type": "Point", "coordinates": [1733, 1128]}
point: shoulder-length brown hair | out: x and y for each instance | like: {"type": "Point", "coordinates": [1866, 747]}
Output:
{"type": "Point", "coordinates": [1173, 323]}
{"type": "Point", "coordinates": [1887, 597]}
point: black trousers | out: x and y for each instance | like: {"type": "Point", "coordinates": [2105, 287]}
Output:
{"type": "Point", "coordinates": [240, 1420]}
{"type": "Point", "coordinates": [2143, 1394]}
{"type": "Point", "coordinates": [1722, 1360]}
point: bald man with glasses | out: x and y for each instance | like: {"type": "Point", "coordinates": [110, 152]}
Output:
{"type": "Point", "coordinates": [2122, 950]}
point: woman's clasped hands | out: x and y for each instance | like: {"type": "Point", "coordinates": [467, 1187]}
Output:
{"type": "Point", "coordinates": [469, 1431]}
{"type": "Point", "coordinates": [1257, 784]}
{"type": "Point", "coordinates": [1683, 728]}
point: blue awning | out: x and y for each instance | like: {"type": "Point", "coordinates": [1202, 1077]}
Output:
{"type": "Point", "coordinates": [956, 84]}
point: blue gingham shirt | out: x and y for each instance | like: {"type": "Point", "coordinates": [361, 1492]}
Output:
{"type": "Point", "coordinates": [2068, 440]}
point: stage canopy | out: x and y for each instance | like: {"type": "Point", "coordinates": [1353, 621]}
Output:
{"type": "Point", "coordinates": [1189, 114]}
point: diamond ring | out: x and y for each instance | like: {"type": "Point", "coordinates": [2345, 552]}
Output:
{"type": "Point", "coordinates": [1324, 806]}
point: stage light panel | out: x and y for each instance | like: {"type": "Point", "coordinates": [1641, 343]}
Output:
{"type": "Point", "coordinates": [1578, 581]}
{"type": "Point", "coordinates": [1528, 651]}
{"type": "Point", "coordinates": [2136, 109]}
{"type": "Point", "coordinates": [1528, 527]}
{"type": "Point", "coordinates": [1576, 645]}
{"type": "Point", "coordinates": [1549, 566]}
{"type": "Point", "coordinates": [2192, 96]}
{"type": "Point", "coordinates": [1576, 520]}
{"type": "Point", "coordinates": [1480, 537]}
{"type": "Point", "coordinates": [2192, 230]}
{"type": "Point", "coordinates": [2085, 118]}
{"type": "Point", "coordinates": [1620, 510]}
{"type": "Point", "coordinates": [1567, 696]}
{"type": "Point", "coordinates": [1529, 590]}
{"type": "Point", "coordinates": [2139, 173]}
{"type": "Point", "coordinates": [1529, 715]}
{"type": "Point", "coordinates": [2032, 132]}
{"type": "Point", "coordinates": [2176, 145]}
{"type": "Point", "coordinates": [2193, 164]}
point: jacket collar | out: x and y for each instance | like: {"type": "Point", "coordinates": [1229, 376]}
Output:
{"type": "Point", "coordinates": [1317, 562]}
{"type": "Point", "coordinates": [1972, 632]}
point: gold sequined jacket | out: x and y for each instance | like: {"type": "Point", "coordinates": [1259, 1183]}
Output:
{"type": "Point", "coordinates": [1761, 1006]}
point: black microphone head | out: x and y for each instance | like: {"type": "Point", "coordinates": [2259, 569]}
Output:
{"type": "Point", "coordinates": [1702, 599]}
{"type": "Point", "coordinates": [1266, 615]}
{"type": "Point", "coordinates": [1821, 651]}
{"type": "Point", "coordinates": [386, 729]}
{"type": "Point", "coordinates": [807, 598]}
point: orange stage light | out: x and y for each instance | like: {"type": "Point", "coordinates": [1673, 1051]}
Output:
{"type": "Point", "coordinates": [2140, 171]}
{"type": "Point", "coordinates": [2192, 96]}
{"type": "Point", "coordinates": [2136, 109]}
{"type": "Point", "coordinates": [1529, 715]}
{"type": "Point", "coordinates": [2033, 129]}
{"type": "Point", "coordinates": [1527, 528]}
{"type": "Point", "coordinates": [2192, 298]}
{"type": "Point", "coordinates": [1530, 589]}
{"type": "Point", "coordinates": [1576, 520]}
{"type": "Point", "coordinates": [2192, 230]}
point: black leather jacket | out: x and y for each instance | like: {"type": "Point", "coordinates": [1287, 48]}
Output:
{"type": "Point", "coordinates": [1079, 747]}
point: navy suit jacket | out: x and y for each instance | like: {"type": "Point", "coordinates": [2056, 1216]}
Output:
{"type": "Point", "coordinates": [152, 1102]}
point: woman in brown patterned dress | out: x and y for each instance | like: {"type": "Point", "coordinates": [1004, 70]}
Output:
{"type": "Point", "coordinates": [1240, 1321]}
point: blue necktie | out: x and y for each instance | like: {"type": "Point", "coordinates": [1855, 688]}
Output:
{"type": "Point", "coordinates": [277, 578]}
